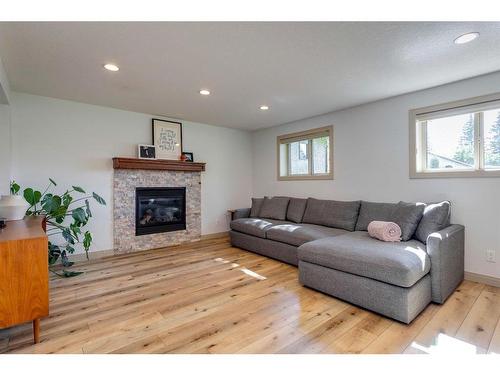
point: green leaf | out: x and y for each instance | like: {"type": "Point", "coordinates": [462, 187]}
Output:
{"type": "Point", "coordinates": [54, 253]}
{"type": "Point", "coordinates": [29, 196]}
{"type": "Point", "coordinates": [67, 199]}
{"type": "Point", "coordinates": [51, 204]}
{"type": "Point", "coordinates": [79, 215]}
{"type": "Point", "coordinates": [75, 229]}
{"type": "Point", "coordinates": [79, 189]}
{"type": "Point", "coordinates": [87, 240]}
{"type": "Point", "coordinates": [64, 259]}
{"type": "Point", "coordinates": [37, 195]}
{"type": "Point", "coordinates": [52, 182]}
{"type": "Point", "coordinates": [32, 197]}
{"type": "Point", "coordinates": [99, 199]}
{"type": "Point", "coordinates": [60, 215]}
{"type": "Point", "coordinates": [71, 273]}
{"type": "Point", "coordinates": [70, 249]}
{"type": "Point", "coordinates": [66, 233]}
{"type": "Point", "coordinates": [14, 187]}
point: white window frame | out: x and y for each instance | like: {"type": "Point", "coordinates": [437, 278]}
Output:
{"type": "Point", "coordinates": [418, 137]}
{"type": "Point", "coordinates": [307, 135]}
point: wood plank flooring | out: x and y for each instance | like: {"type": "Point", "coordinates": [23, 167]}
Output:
{"type": "Point", "coordinates": [209, 297]}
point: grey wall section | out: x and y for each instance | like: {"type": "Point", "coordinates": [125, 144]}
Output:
{"type": "Point", "coordinates": [74, 143]}
{"type": "Point", "coordinates": [5, 148]}
{"type": "Point", "coordinates": [371, 163]}
{"type": "Point", "coordinates": [4, 86]}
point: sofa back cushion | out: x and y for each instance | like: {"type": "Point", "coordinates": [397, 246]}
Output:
{"type": "Point", "coordinates": [335, 214]}
{"type": "Point", "coordinates": [256, 206]}
{"type": "Point", "coordinates": [373, 211]}
{"type": "Point", "coordinates": [296, 209]}
{"type": "Point", "coordinates": [274, 208]}
{"type": "Point", "coordinates": [436, 217]}
{"type": "Point", "coordinates": [407, 216]}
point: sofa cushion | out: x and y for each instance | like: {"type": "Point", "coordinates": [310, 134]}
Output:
{"type": "Point", "coordinates": [407, 216]}
{"type": "Point", "coordinates": [298, 234]}
{"type": "Point", "coordinates": [436, 217]}
{"type": "Point", "coordinates": [336, 214]}
{"type": "Point", "coordinates": [274, 208]}
{"type": "Point", "coordinates": [396, 263]}
{"type": "Point", "coordinates": [296, 209]}
{"type": "Point", "coordinates": [374, 211]}
{"type": "Point", "coordinates": [256, 206]}
{"type": "Point", "coordinates": [254, 226]}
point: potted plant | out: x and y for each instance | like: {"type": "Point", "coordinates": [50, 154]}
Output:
{"type": "Point", "coordinates": [66, 215]}
{"type": "Point", "coordinates": [13, 206]}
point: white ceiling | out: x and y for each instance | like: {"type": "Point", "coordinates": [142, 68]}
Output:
{"type": "Point", "coordinates": [298, 69]}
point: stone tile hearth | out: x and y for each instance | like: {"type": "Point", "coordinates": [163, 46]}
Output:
{"type": "Point", "coordinates": [125, 182]}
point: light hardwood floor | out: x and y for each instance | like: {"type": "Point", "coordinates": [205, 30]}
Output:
{"type": "Point", "coordinates": [209, 297]}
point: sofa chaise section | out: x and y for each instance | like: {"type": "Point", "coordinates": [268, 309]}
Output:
{"type": "Point", "coordinates": [396, 263]}
{"type": "Point", "coordinates": [389, 278]}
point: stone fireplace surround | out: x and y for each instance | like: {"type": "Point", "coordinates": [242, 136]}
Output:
{"type": "Point", "coordinates": [127, 177]}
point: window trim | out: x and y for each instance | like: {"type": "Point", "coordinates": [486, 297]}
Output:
{"type": "Point", "coordinates": [299, 136]}
{"type": "Point", "coordinates": [418, 138]}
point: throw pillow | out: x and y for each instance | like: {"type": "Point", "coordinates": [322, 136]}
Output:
{"type": "Point", "coordinates": [435, 218]}
{"type": "Point", "coordinates": [296, 209]}
{"type": "Point", "coordinates": [274, 208]}
{"type": "Point", "coordinates": [256, 206]}
{"type": "Point", "coordinates": [335, 214]}
{"type": "Point", "coordinates": [407, 216]}
{"type": "Point", "coordinates": [373, 211]}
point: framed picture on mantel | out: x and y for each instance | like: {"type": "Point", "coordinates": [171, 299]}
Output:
{"type": "Point", "coordinates": [167, 137]}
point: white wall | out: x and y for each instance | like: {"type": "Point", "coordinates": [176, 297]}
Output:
{"type": "Point", "coordinates": [73, 143]}
{"type": "Point", "coordinates": [5, 152]}
{"type": "Point", "coordinates": [371, 163]}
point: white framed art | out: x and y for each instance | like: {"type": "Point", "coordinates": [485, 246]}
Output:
{"type": "Point", "coordinates": [167, 138]}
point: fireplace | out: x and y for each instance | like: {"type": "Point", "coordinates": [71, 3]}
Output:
{"type": "Point", "coordinates": [159, 209]}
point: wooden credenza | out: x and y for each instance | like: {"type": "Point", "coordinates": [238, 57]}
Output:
{"type": "Point", "coordinates": [24, 274]}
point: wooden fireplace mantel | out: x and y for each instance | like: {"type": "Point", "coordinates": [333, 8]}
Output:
{"type": "Point", "coordinates": [157, 164]}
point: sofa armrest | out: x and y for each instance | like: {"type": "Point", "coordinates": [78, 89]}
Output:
{"type": "Point", "coordinates": [446, 250]}
{"type": "Point", "coordinates": [240, 213]}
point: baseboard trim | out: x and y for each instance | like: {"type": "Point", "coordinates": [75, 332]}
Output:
{"type": "Point", "coordinates": [484, 279]}
{"type": "Point", "coordinates": [93, 255]}
{"type": "Point", "coordinates": [213, 236]}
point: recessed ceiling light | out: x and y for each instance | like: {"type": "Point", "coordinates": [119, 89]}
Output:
{"type": "Point", "coordinates": [466, 38]}
{"type": "Point", "coordinates": [204, 92]}
{"type": "Point", "coordinates": [111, 67]}
{"type": "Point", "coordinates": [264, 107]}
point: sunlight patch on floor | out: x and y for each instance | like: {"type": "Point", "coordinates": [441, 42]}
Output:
{"type": "Point", "coordinates": [445, 344]}
{"type": "Point", "coordinates": [246, 271]}
{"type": "Point", "coordinates": [253, 274]}
{"type": "Point", "coordinates": [221, 260]}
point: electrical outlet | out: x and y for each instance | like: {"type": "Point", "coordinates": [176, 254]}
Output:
{"type": "Point", "coordinates": [490, 256]}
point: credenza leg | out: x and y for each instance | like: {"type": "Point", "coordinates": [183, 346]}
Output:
{"type": "Point", "coordinates": [36, 331]}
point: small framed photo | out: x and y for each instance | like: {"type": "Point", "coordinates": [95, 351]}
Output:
{"type": "Point", "coordinates": [146, 151]}
{"type": "Point", "coordinates": [167, 137]}
{"type": "Point", "coordinates": [188, 156]}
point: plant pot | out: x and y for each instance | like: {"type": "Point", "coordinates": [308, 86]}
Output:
{"type": "Point", "coordinates": [13, 207]}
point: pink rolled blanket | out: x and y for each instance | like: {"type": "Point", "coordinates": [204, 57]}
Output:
{"type": "Point", "coordinates": [385, 231]}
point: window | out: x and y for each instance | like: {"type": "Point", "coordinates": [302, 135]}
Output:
{"type": "Point", "coordinates": [459, 139]}
{"type": "Point", "coordinates": [306, 155]}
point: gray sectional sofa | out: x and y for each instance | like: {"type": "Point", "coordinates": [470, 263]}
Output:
{"type": "Point", "coordinates": [329, 242]}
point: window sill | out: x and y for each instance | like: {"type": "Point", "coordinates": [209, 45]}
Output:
{"type": "Point", "coordinates": [456, 174]}
{"type": "Point", "coordinates": [305, 178]}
